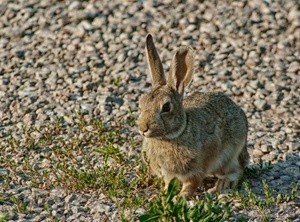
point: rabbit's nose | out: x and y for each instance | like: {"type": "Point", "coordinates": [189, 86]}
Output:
{"type": "Point", "coordinates": [143, 128]}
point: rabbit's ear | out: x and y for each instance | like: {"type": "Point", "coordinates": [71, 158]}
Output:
{"type": "Point", "coordinates": [154, 63]}
{"type": "Point", "coordinates": [181, 70]}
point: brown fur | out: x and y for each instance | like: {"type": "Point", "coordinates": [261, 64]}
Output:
{"type": "Point", "coordinates": [200, 135]}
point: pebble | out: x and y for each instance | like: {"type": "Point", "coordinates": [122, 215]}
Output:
{"type": "Point", "coordinates": [285, 178]}
{"type": "Point", "coordinates": [294, 146]}
{"type": "Point", "coordinates": [257, 153]}
{"type": "Point", "coordinates": [265, 148]}
{"type": "Point", "coordinates": [70, 198]}
{"type": "Point", "coordinates": [260, 104]}
{"type": "Point", "coordinates": [294, 67]}
{"type": "Point", "coordinates": [293, 171]}
{"type": "Point", "coordinates": [100, 208]}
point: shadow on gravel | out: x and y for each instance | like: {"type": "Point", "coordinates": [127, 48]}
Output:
{"type": "Point", "coordinates": [266, 191]}
{"type": "Point", "coordinates": [273, 190]}
{"type": "Point", "coordinates": [279, 176]}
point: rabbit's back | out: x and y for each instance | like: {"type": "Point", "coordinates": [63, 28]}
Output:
{"type": "Point", "coordinates": [213, 109]}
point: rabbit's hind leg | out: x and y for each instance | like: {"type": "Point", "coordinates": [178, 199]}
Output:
{"type": "Point", "coordinates": [229, 177]}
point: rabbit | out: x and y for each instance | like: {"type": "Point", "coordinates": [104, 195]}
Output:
{"type": "Point", "coordinates": [192, 137]}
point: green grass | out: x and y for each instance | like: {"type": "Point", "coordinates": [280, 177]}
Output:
{"type": "Point", "coordinates": [20, 206]}
{"type": "Point", "coordinates": [90, 156]}
{"type": "Point", "coordinates": [169, 207]}
{"type": "Point", "coordinates": [121, 177]}
{"type": "Point", "coordinates": [255, 171]}
{"type": "Point", "coordinates": [4, 217]}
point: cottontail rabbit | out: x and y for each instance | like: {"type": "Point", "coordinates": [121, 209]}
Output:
{"type": "Point", "coordinates": [190, 137]}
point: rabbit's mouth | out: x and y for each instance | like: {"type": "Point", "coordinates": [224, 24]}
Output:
{"type": "Point", "coordinates": [145, 134]}
{"type": "Point", "coordinates": [149, 133]}
{"type": "Point", "coordinates": [152, 133]}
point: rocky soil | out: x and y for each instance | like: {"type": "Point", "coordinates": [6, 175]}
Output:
{"type": "Point", "coordinates": [58, 58]}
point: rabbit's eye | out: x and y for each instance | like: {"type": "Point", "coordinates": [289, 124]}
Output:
{"type": "Point", "coordinates": [166, 107]}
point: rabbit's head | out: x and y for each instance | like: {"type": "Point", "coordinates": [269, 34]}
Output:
{"type": "Point", "coordinates": [161, 111]}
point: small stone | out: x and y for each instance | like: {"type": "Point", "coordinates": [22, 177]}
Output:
{"type": "Point", "coordinates": [255, 17]}
{"type": "Point", "coordinates": [140, 211]}
{"type": "Point", "coordinates": [257, 153]}
{"type": "Point", "coordinates": [273, 155]}
{"type": "Point", "coordinates": [41, 117]}
{"type": "Point", "coordinates": [287, 130]}
{"type": "Point", "coordinates": [68, 120]}
{"type": "Point", "coordinates": [254, 84]}
{"type": "Point", "coordinates": [75, 5]}
{"type": "Point", "coordinates": [251, 62]}
{"type": "Point", "coordinates": [237, 204]}
{"type": "Point", "coordinates": [260, 134]}
{"type": "Point", "coordinates": [293, 14]}
{"type": "Point", "coordinates": [20, 53]}
{"type": "Point", "coordinates": [70, 198]}
{"type": "Point", "coordinates": [101, 208]}
{"type": "Point", "coordinates": [75, 217]}
{"type": "Point", "coordinates": [121, 57]}
{"type": "Point", "coordinates": [191, 27]}
{"type": "Point", "coordinates": [294, 146]}
{"type": "Point", "coordinates": [270, 86]}
{"type": "Point", "coordinates": [29, 118]}
{"type": "Point", "coordinates": [208, 15]}
{"type": "Point", "coordinates": [45, 164]}
{"type": "Point", "coordinates": [86, 108]}
{"type": "Point", "coordinates": [71, 47]}
{"type": "Point", "coordinates": [89, 48]}
{"type": "Point", "coordinates": [285, 178]}
{"type": "Point", "coordinates": [265, 148]}
{"type": "Point", "coordinates": [293, 171]}
{"type": "Point", "coordinates": [222, 196]}
{"type": "Point", "coordinates": [260, 104]}
{"type": "Point", "coordinates": [207, 28]}
{"type": "Point", "coordinates": [59, 192]}
{"type": "Point", "coordinates": [3, 171]}
{"type": "Point", "coordinates": [74, 209]}
{"type": "Point", "coordinates": [294, 67]}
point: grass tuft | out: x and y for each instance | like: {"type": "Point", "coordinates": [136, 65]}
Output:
{"type": "Point", "coordinates": [4, 217]}
{"type": "Point", "coordinates": [169, 207]}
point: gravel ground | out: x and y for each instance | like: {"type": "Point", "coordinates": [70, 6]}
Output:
{"type": "Point", "coordinates": [62, 57]}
